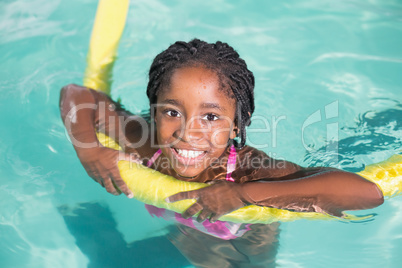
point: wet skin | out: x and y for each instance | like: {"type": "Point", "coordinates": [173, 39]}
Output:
{"type": "Point", "coordinates": [194, 120]}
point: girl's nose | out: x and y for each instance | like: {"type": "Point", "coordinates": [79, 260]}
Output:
{"type": "Point", "coordinates": [193, 130]}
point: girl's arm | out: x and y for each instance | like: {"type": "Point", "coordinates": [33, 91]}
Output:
{"type": "Point", "coordinates": [85, 111]}
{"type": "Point", "coordinates": [314, 190]}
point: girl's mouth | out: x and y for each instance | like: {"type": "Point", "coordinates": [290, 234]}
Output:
{"type": "Point", "coordinates": [188, 157]}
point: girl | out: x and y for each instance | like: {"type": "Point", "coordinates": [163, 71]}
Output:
{"type": "Point", "coordinates": [201, 98]}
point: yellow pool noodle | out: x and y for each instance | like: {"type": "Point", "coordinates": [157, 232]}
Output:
{"type": "Point", "coordinates": [107, 30]}
{"type": "Point", "coordinates": [387, 175]}
{"type": "Point", "coordinates": [152, 187]}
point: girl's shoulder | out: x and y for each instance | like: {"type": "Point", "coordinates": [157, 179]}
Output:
{"type": "Point", "coordinates": [253, 164]}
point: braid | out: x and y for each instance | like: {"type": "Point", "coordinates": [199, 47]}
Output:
{"type": "Point", "coordinates": [219, 57]}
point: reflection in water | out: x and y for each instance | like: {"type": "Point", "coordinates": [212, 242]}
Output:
{"type": "Point", "coordinates": [375, 132]}
{"type": "Point", "coordinates": [96, 235]}
{"type": "Point", "coordinates": [256, 248]}
{"type": "Point", "coordinates": [94, 229]}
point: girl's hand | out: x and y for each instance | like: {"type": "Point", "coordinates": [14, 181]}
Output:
{"type": "Point", "coordinates": [214, 201]}
{"type": "Point", "coordinates": [101, 165]}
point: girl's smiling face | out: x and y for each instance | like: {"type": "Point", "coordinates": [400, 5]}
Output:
{"type": "Point", "coordinates": [194, 120]}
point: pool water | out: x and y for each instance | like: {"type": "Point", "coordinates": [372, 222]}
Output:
{"type": "Point", "coordinates": [328, 92]}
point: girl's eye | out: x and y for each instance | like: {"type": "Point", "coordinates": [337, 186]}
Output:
{"type": "Point", "coordinates": [210, 117]}
{"type": "Point", "coordinates": [172, 113]}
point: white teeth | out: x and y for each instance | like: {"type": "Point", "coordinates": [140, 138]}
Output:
{"type": "Point", "coordinates": [188, 153]}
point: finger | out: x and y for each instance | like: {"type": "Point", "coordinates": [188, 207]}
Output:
{"type": "Point", "coordinates": [93, 174]}
{"type": "Point", "coordinates": [192, 210]}
{"type": "Point", "coordinates": [205, 214]}
{"type": "Point", "coordinates": [99, 180]}
{"type": "Point", "coordinates": [120, 184]}
{"type": "Point", "coordinates": [109, 186]}
{"type": "Point", "coordinates": [182, 196]}
{"type": "Point", "coordinates": [215, 217]}
{"type": "Point", "coordinates": [117, 188]}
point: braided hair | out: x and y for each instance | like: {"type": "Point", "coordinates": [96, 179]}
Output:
{"type": "Point", "coordinates": [218, 57]}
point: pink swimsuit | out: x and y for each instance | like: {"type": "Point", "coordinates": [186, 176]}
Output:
{"type": "Point", "coordinates": [221, 229]}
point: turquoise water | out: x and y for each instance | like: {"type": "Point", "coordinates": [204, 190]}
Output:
{"type": "Point", "coordinates": [341, 60]}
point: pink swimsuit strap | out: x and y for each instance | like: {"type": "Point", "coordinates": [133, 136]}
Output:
{"type": "Point", "coordinates": [154, 157]}
{"type": "Point", "coordinates": [230, 167]}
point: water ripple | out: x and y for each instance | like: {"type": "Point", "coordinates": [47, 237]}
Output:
{"type": "Point", "coordinates": [376, 136]}
{"type": "Point", "coordinates": [22, 19]}
{"type": "Point", "coordinates": [342, 55]}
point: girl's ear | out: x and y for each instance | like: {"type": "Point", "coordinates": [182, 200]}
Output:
{"type": "Point", "coordinates": [154, 114]}
{"type": "Point", "coordinates": [233, 133]}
